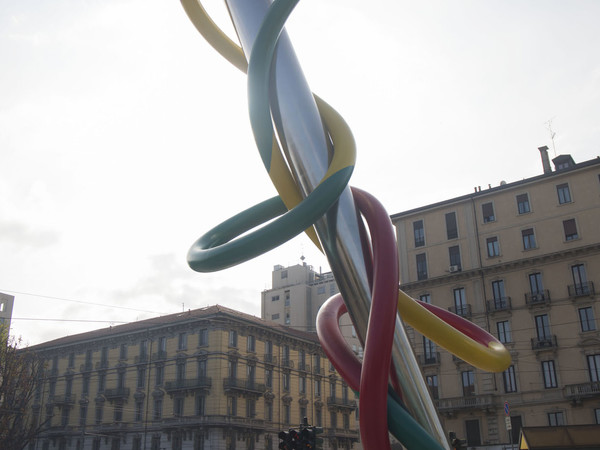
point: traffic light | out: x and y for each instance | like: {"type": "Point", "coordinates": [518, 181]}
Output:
{"type": "Point", "coordinates": [285, 441]}
{"type": "Point", "coordinates": [305, 438]}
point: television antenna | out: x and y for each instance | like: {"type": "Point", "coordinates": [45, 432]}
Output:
{"type": "Point", "coordinates": [552, 133]}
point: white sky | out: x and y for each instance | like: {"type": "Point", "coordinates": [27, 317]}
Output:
{"type": "Point", "coordinates": [124, 136]}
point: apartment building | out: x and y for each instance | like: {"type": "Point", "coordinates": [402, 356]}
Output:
{"type": "Point", "coordinates": [296, 295]}
{"type": "Point", "coordinates": [520, 260]}
{"type": "Point", "coordinates": [6, 308]}
{"type": "Point", "coordinates": [210, 378]}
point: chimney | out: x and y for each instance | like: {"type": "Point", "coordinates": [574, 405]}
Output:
{"type": "Point", "coordinates": [545, 160]}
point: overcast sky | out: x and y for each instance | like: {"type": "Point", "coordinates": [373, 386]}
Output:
{"type": "Point", "coordinates": [124, 136]}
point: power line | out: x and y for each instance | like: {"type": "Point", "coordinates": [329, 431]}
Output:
{"type": "Point", "coordinates": [81, 301]}
{"type": "Point", "coordinates": [68, 320]}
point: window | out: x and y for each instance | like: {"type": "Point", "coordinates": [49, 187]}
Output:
{"type": "Point", "coordinates": [162, 345]}
{"type": "Point", "coordinates": [268, 378]}
{"type": "Point", "coordinates": [82, 415]}
{"type": "Point", "coordinates": [251, 374]}
{"type": "Point", "coordinates": [233, 338]}
{"type": "Point", "coordinates": [468, 382]}
{"type": "Point", "coordinates": [432, 382]}
{"type": "Point", "coordinates": [570, 228]}
{"type": "Point", "coordinates": [528, 239]}
{"type": "Point", "coordinates": [143, 350]}
{"type": "Point", "coordinates": [535, 283]}
{"type": "Point", "coordinates": [454, 254]}
{"type": "Point", "coordinates": [510, 380]}
{"type": "Point", "coordinates": [319, 417]}
{"type": "Point", "coordinates": [556, 419]}
{"type": "Point", "coordinates": [268, 411]}
{"type": "Point", "coordinates": [250, 407]}
{"type": "Point", "coordinates": [287, 318]}
{"type": "Point", "coordinates": [251, 343]}
{"type": "Point", "coordinates": [203, 337]}
{"type": "Point", "coordinates": [157, 409]}
{"type": "Point", "coordinates": [504, 334]}
{"type": "Point", "coordinates": [286, 413]}
{"type": "Point", "coordinates": [71, 362]}
{"type": "Point", "coordinates": [564, 195]}
{"type": "Point", "coordinates": [317, 388]}
{"type": "Point", "coordinates": [121, 379]}
{"type": "Point", "coordinates": [286, 381]}
{"type": "Point", "coordinates": [594, 367]}
{"type": "Point", "coordinates": [597, 415]}
{"type": "Point", "coordinates": [180, 372]}
{"type": "Point", "coordinates": [586, 319]}
{"type": "Point", "coordinates": [123, 351]}
{"type": "Point", "coordinates": [419, 233]}
{"type": "Point", "coordinates": [182, 341]}
{"type": "Point", "coordinates": [332, 389]}
{"type": "Point", "coordinates": [581, 286]}
{"type": "Point", "coordinates": [333, 419]}
{"type": "Point", "coordinates": [284, 274]}
{"type": "Point", "coordinates": [275, 298]}
{"type": "Point", "coordinates": [101, 382]}
{"type": "Point", "coordinates": [201, 369]}
{"type": "Point", "coordinates": [460, 302]}
{"type": "Point", "coordinates": [85, 388]}
{"type": "Point", "coordinates": [488, 212]}
{"type": "Point", "coordinates": [523, 203]}
{"type": "Point", "coordinates": [425, 298]}
{"type": "Point", "coordinates": [118, 414]}
{"type": "Point", "coordinates": [493, 249]}
{"type": "Point", "coordinates": [232, 368]}
{"type": "Point", "coordinates": [231, 406]}
{"type": "Point", "coordinates": [542, 327]}
{"type": "Point", "coordinates": [159, 375]}
{"type": "Point", "coordinates": [287, 298]}
{"type": "Point", "coordinates": [274, 316]}
{"type": "Point", "coordinates": [500, 300]}
{"type": "Point", "coordinates": [321, 290]}
{"type": "Point", "coordinates": [549, 373]}
{"type": "Point", "coordinates": [141, 377]}
{"type": "Point", "coordinates": [346, 418]}
{"type": "Point", "coordinates": [302, 384]}
{"type": "Point", "coordinates": [429, 351]}
{"type": "Point", "coordinates": [451, 227]}
{"type": "Point", "coordinates": [139, 410]}
{"type": "Point", "coordinates": [421, 266]}
{"type": "Point", "coordinates": [200, 405]}
{"type": "Point", "coordinates": [155, 443]}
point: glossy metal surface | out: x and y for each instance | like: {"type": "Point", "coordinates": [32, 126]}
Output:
{"type": "Point", "coordinates": [307, 147]}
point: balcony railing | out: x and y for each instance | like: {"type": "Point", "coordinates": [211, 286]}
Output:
{"type": "Point", "coordinates": [139, 359]}
{"type": "Point", "coordinates": [244, 385]}
{"type": "Point", "coordinates": [270, 358]}
{"type": "Point", "coordinates": [318, 371]}
{"type": "Point", "coordinates": [581, 290]}
{"type": "Point", "coordinates": [499, 304]}
{"type": "Point", "coordinates": [429, 359]}
{"type": "Point", "coordinates": [63, 399]}
{"type": "Point", "coordinates": [304, 367]}
{"type": "Point", "coordinates": [286, 362]}
{"type": "Point", "coordinates": [462, 310]}
{"type": "Point", "coordinates": [341, 402]}
{"type": "Point", "coordinates": [537, 298]}
{"type": "Point", "coordinates": [543, 343]}
{"type": "Point", "coordinates": [194, 383]}
{"type": "Point", "coordinates": [582, 390]}
{"type": "Point", "coordinates": [117, 392]}
{"type": "Point", "coordinates": [469, 402]}
{"type": "Point", "coordinates": [159, 355]}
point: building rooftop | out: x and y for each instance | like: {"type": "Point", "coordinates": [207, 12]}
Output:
{"type": "Point", "coordinates": [209, 312]}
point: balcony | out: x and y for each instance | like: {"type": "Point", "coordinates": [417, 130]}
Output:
{"type": "Point", "coordinates": [319, 371]}
{"type": "Point", "coordinates": [185, 385]}
{"type": "Point", "coordinates": [431, 359]}
{"type": "Point", "coordinates": [537, 298]}
{"type": "Point", "coordinates": [159, 355]}
{"type": "Point", "coordinates": [86, 367]}
{"type": "Point", "coordinates": [341, 402]}
{"type": "Point", "coordinates": [214, 420]}
{"type": "Point", "coordinates": [499, 304]}
{"type": "Point", "coordinates": [447, 405]}
{"type": "Point", "coordinates": [544, 343]}
{"type": "Point", "coordinates": [581, 290]}
{"type": "Point", "coordinates": [286, 362]}
{"type": "Point", "coordinates": [577, 392]}
{"type": "Point", "coordinates": [116, 393]}
{"type": "Point", "coordinates": [246, 386]}
{"type": "Point", "coordinates": [270, 358]}
{"type": "Point", "coordinates": [64, 399]}
{"type": "Point", "coordinates": [102, 364]}
{"type": "Point", "coordinates": [462, 310]}
{"type": "Point", "coordinates": [141, 359]}
{"type": "Point", "coordinates": [304, 367]}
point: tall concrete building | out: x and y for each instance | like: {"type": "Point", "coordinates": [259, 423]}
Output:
{"type": "Point", "coordinates": [210, 378]}
{"type": "Point", "coordinates": [6, 309]}
{"type": "Point", "coordinates": [520, 260]}
{"type": "Point", "coordinates": [296, 295]}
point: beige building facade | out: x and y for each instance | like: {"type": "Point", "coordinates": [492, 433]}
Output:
{"type": "Point", "coordinates": [297, 294]}
{"type": "Point", "coordinates": [210, 378]}
{"type": "Point", "coordinates": [520, 260]}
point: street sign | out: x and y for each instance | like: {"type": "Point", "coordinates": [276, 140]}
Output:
{"type": "Point", "coordinates": [506, 409]}
{"type": "Point", "coordinates": [508, 423]}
